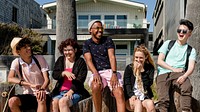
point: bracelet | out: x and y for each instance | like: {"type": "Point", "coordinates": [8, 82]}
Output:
{"type": "Point", "coordinates": [41, 89]}
{"type": "Point", "coordinates": [20, 82]}
{"type": "Point", "coordinates": [114, 72]}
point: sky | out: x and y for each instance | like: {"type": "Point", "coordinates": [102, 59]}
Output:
{"type": "Point", "coordinates": [150, 7]}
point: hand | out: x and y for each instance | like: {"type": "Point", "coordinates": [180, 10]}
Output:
{"type": "Point", "coordinates": [69, 94]}
{"type": "Point", "coordinates": [181, 79]}
{"type": "Point", "coordinates": [41, 95]}
{"type": "Point", "coordinates": [137, 66]}
{"type": "Point", "coordinates": [69, 75]}
{"type": "Point", "coordinates": [177, 70]}
{"type": "Point", "coordinates": [97, 79]}
{"type": "Point", "coordinates": [114, 81]}
{"type": "Point", "coordinates": [36, 86]}
{"type": "Point", "coordinates": [131, 101]}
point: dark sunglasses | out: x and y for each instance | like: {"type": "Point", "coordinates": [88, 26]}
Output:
{"type": "Point", "coordinates": [182, 31]}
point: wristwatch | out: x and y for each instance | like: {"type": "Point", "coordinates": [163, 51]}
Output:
{"type": "Point", "coordinates": [114, 72]}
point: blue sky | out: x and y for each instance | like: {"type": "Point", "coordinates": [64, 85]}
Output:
{"type": "Point", "coordinates": [150, 7]}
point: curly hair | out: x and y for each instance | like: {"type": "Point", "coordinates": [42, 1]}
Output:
{"type": "Point", "coordinates": [70, 42]}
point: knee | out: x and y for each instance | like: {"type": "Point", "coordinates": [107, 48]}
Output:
{"type": "Point", "coordinates": [137, 103]}
{"type": "Point", "coordinates": [63, 102]}
{"type": "Point", "coordinates": [118, 93]}
{"type": "Point", "coordinates": [186, 89]}
{"type": "Point", "coordinates": [150, 106]}
{"type": "Point", "coordinates": [14, 101]}
{"type": "Point", "coordinates": [55, 102]}
{"type": "Point", "coordinates": [96, 87]}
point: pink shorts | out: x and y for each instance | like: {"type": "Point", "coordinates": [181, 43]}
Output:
{"type": "Point", "coordinates": [106, 76]}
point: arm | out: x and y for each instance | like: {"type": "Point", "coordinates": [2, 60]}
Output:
{"type": "Point", "coordinates": [80, 71]}
{"type": "Point", "coordinates": [58, 68]}
{"type": "Point", "coordinates": [89, 62]}
{"type": "Point", "coordinates": [96, 77]}
{"type": "Point", "coordinates": [190, 70]}
{"type": "Point", "coordinates": [46, 80]}
{"type": "Point", "coordinates": [112, 58]}
{"type": "Point", "coordinates": [114, 80]}
{"type": "Point", "coordinates": [151, 75]}
{"type": "Point", "coordinates": [15, 80]}
{"type": "Point", "coordinates": [12, 75]}
{"type": "Point", "coordinates": [12, 78]}
{"type": "Point", "coordinates": [128, 84]}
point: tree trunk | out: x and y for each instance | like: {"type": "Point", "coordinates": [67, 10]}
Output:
{"type": "Point", "coordinates": [65, 22]}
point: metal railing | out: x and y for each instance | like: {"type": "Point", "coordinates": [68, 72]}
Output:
{"type": "Point", "coordinates": [110, 24]}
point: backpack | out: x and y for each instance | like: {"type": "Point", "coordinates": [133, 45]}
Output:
{"type": "Point", "coordinates": [189, 49]}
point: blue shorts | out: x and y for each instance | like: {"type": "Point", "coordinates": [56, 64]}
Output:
{"type": "Point", "coordinates": [75, 97]}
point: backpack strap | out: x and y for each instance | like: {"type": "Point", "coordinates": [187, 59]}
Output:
{"type": "Point", "coordinates": [20, 69]}
{"type": "Point", "coordinates": [36, 61]}
{"type": "Point", "coordinates": [171, 43]}
{"type": "Point", "coordinates": [189, 49]}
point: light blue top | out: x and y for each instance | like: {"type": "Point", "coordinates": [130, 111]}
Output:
{"type": "Point", "coordinates": [176, 56]}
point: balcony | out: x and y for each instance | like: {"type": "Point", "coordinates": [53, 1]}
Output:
{"type": "Point", "coordinates": [112, 24]}
{"type": "Point", "coordinates": [116, 24]}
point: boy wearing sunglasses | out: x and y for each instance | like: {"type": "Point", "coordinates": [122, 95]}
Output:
{"type": "Point", "coordinates": [172, 69]}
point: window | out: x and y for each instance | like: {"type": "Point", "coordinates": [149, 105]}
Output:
{"type": "Point", "coordinates": [121, 46]}
{"type": "Point", "coordinates": [82, 21]}
{"type": "Point", "coordinates": [54, 23]}
{"type": "Point", "coordinates": [95, 17]}
{"type": "Point", "coordinates": [109, 21]}
{"type": "Point", "coordinates": [14, 14]}
{"type": "Point", "coordinates": [121, 21]}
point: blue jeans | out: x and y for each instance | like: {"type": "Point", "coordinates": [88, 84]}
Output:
{"type": "Point", "coordinates": [75, 97]}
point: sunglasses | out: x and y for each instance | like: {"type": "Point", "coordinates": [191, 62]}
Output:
{"type": "Point", "coordinates": [182, 31]}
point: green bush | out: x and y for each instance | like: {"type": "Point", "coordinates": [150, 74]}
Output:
{"type": "Point", "coordinates": [9, 31]}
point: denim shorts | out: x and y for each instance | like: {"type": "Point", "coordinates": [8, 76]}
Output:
{"type": "Point", "coordinates": [75, 97]}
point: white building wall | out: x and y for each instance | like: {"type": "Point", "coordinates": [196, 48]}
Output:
{"type": "Point", "coordinates": [109, 8]}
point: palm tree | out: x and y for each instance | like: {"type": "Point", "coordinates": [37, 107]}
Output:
{"type": "Point", "coordinates": [65, 22]}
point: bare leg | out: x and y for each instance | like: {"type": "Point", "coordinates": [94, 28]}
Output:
{"type": "Point", "coordinates": [64, 104]}
{"type": "Point", "coordinates": [149, 105]}
{"type": "Point", "coordinates": [97, 96]}
{"type": "Point", "coordinates": [135, 107]}
{"type": "Point", "coordinates": [119, 96]}
{"type": "Point", "coordinates": [42, 106]}
{"type": "Point", "coordinates": [55, 105]}
{"type": "Point", "coordinates": [14, 104]}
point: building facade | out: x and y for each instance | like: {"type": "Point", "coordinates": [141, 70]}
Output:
{"type": "Point", "coordinates": [125, 21]}
{"type": "Point", "coordinates": [26, 13]}
{"type": "Point", "coordinates": [166, 16]}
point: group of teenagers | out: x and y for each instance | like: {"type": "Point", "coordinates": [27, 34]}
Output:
{"type": "Point", "coordinates": [132, 91]}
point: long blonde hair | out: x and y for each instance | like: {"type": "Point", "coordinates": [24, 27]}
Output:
{"type": "Point", "coordinates": [148, 60]}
